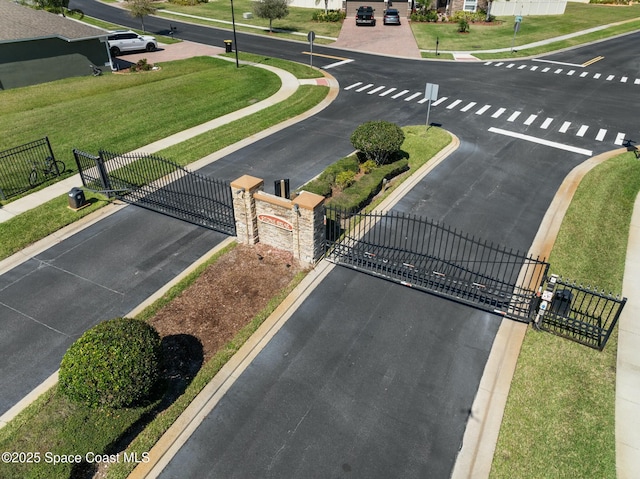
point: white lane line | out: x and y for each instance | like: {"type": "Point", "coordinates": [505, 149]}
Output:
{"type": "Point", "coordinates": [353, 86]}
{"type": "Point", "coordinates": [546, 123]}
{"type": "Point", "coordinates": [376, 90]}
{"type": "Point", "coordinates": [385, 93]}
{"type": "Point", "coordinates": [619, 139]}
{"type": "Point", "coordinates": [337, 64]}
{"type": "Point", "coordinates": [398, 95]}
{"type": "Point", "coordinates": [499, 112]}
{"type": "Point", "coordinates": [530, 120]}
{"type": "Point", "coordinates": [469, 106]}
{"type": "Point", "coordinates": [514, 115]}
{"type": "Point", "coordinates": [483, 109]}
{"type": "Point", "coordinates": [565, 126]}
{"type": "Point", "coordinates": [439, 100]}
{"type": "Point", "coordinates": [415, 95]}
{"type": "Point", "coordinates": [454, 104]}
{"type": "Point", "coordinates": [555, 62]}
{"type": "Point", "coordinates": [541, 141]}
{"type": "Point", "coordinates": [363, 88]}
{"type": "Point", "coordinates": [601, 133]}
{"type": "Point", "coordinates": [583, 129]}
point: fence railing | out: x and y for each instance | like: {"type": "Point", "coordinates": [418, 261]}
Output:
{"type": "Point", "coordinates": [27, 166]}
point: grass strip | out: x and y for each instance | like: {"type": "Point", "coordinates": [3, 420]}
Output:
{"type": "Point", "coordinates": [559, 420]}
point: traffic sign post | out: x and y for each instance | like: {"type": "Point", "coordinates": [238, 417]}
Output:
{"type": "Point", "coordinates": [516, 29]}
{"type": "Point", "coordinates": [430, 94]}
{"type": "Point", "coordinates": [311, 36]}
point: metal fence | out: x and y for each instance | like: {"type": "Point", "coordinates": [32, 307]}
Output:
{"type": "Point", "coordinates": [161, 185]}
{"type": "Point", "coordinates": [426, 255]}
{"type": "Point", "coordinates": [27, 166]}
{"type": "Point", "coordinates": [579, 313]}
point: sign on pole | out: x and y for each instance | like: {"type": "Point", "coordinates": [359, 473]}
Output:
{"type": "Point", "coordinates": [430, 94]}
{"type": "Point", "coordinates": [311, 36]}
{"type": "Point", "coordinates": [516, 29]}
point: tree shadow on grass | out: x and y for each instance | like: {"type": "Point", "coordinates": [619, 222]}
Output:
{"type": "Point", "coordinates": [182, 358]}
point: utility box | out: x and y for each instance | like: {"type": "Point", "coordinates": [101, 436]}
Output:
{"type": "Point", "coordinates": [76, 199]}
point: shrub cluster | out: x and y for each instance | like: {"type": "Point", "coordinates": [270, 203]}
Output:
{"type": "Point", "coordinates": [113, 364]}
{"type": "Point", "coordinates": [327, 179]}
{"type": "Point", "coordinates": [378, 141]}
{"type": "Point", "coordinates": [329, 16]}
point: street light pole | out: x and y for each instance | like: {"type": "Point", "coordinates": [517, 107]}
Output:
{"type": "Point", "coordinates": [235, 40]}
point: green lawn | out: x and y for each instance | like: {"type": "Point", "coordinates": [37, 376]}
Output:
{"type": "Point", "coordinates": [559, 420]}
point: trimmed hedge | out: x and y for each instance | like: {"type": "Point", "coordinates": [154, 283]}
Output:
{"type": "Point", "coordinates": [379, 141]}
{"type": "Point", "coordinates": [114, 364]}
{"type": "Point", "coordinates": [323, 183]}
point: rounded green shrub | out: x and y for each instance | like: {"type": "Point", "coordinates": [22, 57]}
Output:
{"type": "Point", "coordinates": [113, 364]}
{"type": "Point", "coordinates": [379, 141]}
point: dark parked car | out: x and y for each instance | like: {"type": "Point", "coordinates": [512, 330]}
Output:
{"type": "Point", "coordinates": [391, 17]}
{"type": "Point", "coordinates": [364, 16]}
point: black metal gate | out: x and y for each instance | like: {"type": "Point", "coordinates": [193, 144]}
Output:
{"type": "Point", "coordinates": [423, 254]}
{"type": "Point", "coordinates": [160, 185]}
{"type": "Point", "coordinates": [578, 313]}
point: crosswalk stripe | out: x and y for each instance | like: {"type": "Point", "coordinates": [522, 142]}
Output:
{"type": "Point", "coordinates": [565, 126]}
{"type": "Point", "coordinates": [510, 65]}
{"type": "Point", "coordinates": [385, 93]}
{"type": "Point", "coordinates": [610, 77]}
{"type": "Point", "coordinates": [601, 133]}
{"type": "Point", "coordinates": [570, 72]}
{"type": "Point", "coordinates": [514, 115]}
{"type": "Point", "coordinates": [353, 86]}
{"type": "Point", "coordinates": [375, 90]}
{"type": "Point", "coordinates": [597, 75]}
{"type": "Point", "coordinates": [545, 70]}
{"type": "Point", "coordinates": [530, 120]}
{"type": "Point", "coordinates": [546, 123]}
{"type": "Point", "coordinates": [637, 82]}
{"type": "Point", "coordinates": [619, 139]}
{"type": "Point", "coordinates": [469, 106]}
{"type": "Point", "coordinates": [522, 67]}
{"type": "Point", "coordinates": [363, 88]}
{"type": "Point", "coordinates": [534, 68]}
{"type": "Point", "coordinates": [584, 74]}
{"type": "Point", "coordinates": [499, 64]}
{"type": "Point", "coordinates": [498, 112]}
{"type": "Point", "coordinates": [623, 80]}
{"type": "Point", "coordinates": [398, 95]}
{"type": "Point", "coordinates": [454, 104]}
{"type": "Point", "coordinates": [483, 109]}
{"type": "Point", "coordinates": [559, 70]}
{"type": "Point", "coordinates": [439, 100]}
{"type": "Point", "coordinates": [583, 129]}
{"type": "Point", "coordinates": [415, 95]}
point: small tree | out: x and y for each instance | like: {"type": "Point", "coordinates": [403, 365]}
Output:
{"type": "Point", "coordinates": [378, 140]}
{"type": "Point", "coordinates": [140, 8]}
{"type": "Point", "coordinates": [271, 9]}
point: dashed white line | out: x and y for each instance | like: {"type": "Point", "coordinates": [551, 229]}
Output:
{"type": "Point", "coordinates": [375, 90]}
{"type": "Point", "coordinates": [619, 139]}
{"type": "Point", "coordinates": [546, 123]}
{"type": "Point", "coordinates": [415, 95]}
{"type": "Point", "coordinates": [353, 86]}
{"type": "Point", "coordinates": [454, 104]}
{"type": "Point", "coordinates": [483, 109]}
{"type": "Point", "coordinates": [468, 106]}
{"type": "Point", "coordinates": [601, 133]}
{"type": "Point", "coordinates": [363, 88]}
{"type": "Point", "coordinates": [385, 93]}
{"type": "Point", "coordinates": [398, 95]}
{"type": "Point", "coordinates": [499, 112]}
{"type": "Point", "coordinates": [582, 130]}
{"type": "Point", "coordinates": [565, 126]}
{"type": "Point", "coordinates": [514, 115]}
{"type": "Point", "coordinates": [541, 141]}
{"type": "Point", "coordinates": [530, 120]}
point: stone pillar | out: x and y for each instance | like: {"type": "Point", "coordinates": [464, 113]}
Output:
{"type": "Point", "coordinates": [308, 241]}
{"type": "Point", "coordinates": [244, 208]}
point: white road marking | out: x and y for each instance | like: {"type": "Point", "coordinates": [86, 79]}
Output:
{"type": "Point", "coordinates": [570, 72]}
{"type": "Point", "coordinates": [337, 64]}
{"type": "Point", "coordinates": [499, 112]}
{"type": "Point", "coordinates": [583, 74]}
{"type": "Point", "coordinates": [499, 64]}
{"type": "Point", "coordinates": [385, 93]}
{"type": "Point", "coordinates": [546, 123]}
{"type": "Point", "coordinates": [541, 141]}
{"type": "Point", "coordinates": [610, 77]}
{"type": "Point", "coordinates": [623, 80]}
{"type": "Point", "coordinates": [597, 75]}
{"type": "Point", "coordinates": [353, 86]}
{"type": "Point", "coordinates": [375, 90]}
{"type": "Point", "coordinates": [637, 82]}
{"type": "Point", "coordinates": [601, 133]}
{"type": "Point", "coordinates": [483, 109]}
{"type": "Point", "coordinates": [363, 88]}
{"type": "Point", "coordinates": [619, 139]}
{"type": "Point", "coordinates": [534, 68]}
{"type": "Point", "coordinates": [583, 129]}
{"type": "Point", "coordinates": [557, 63]}
{"type": "Point", "coordinates": [469, 106]}
{"type": "Point", "coordinates": [530, 120]}
{"type": "Point", "coordinates": [454, 104]}
{"type": "Point", "coordinates": [415, 95]}
{"type": "Point", "coordinates": [559, 70]}
{"type": "Point", "coordinates": [545, 70]}
{"type": "Point", "coordinates": [514, 115]}
{"type": "Point", "coordinates": [398, 95]}
{"type": "Point", "coordinates": [510, 65]}
{"type": "Point", "coordinates": [439, 100]}
{"type": "Point", "coordinates": [522, 67]}
{"type": "Point", "coordinates": [565, 126]}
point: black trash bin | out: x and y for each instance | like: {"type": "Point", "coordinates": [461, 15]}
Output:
{"type": "Point", "coordinates": [76, 198]}
{"type": "Point", "coordinates": [227, 45]}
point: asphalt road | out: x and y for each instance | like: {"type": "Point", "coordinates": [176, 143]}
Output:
{"type": "Point", "coordinates": [314, 403]}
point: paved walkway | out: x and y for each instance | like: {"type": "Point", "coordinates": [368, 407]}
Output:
{"type": "Point", "coordinates": [480, 438]}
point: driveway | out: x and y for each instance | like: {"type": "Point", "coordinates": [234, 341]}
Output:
{"type": "Point", "coordinates": [166, 53]}
{"type": "Point", "coordinates": [395, 40]}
